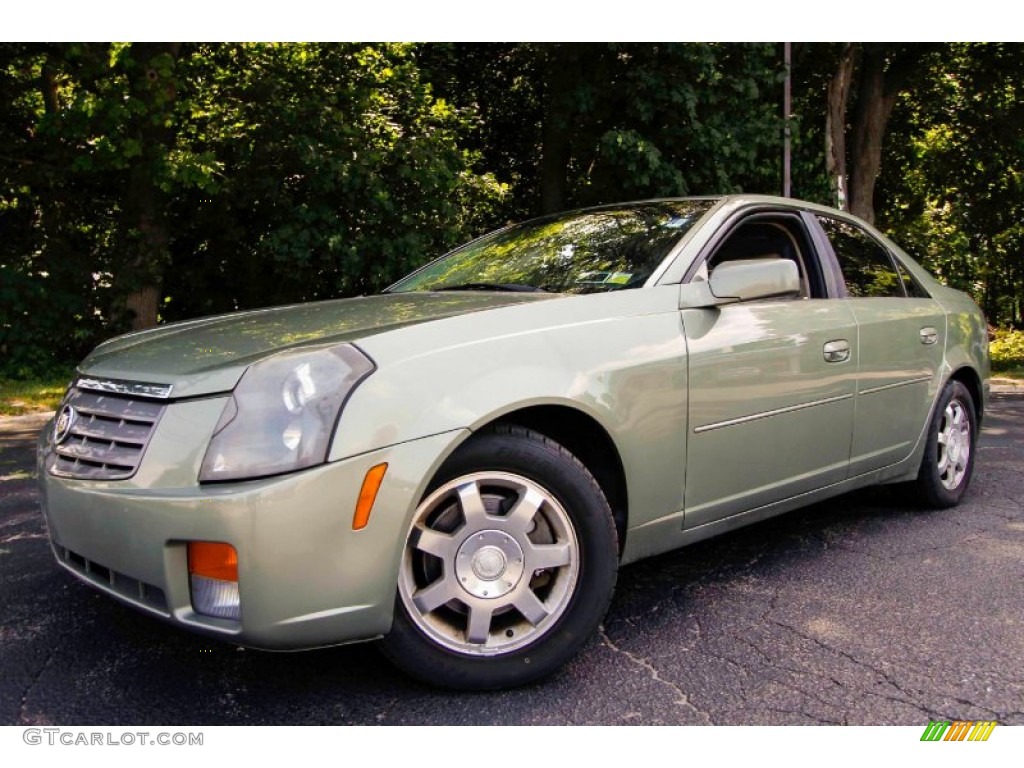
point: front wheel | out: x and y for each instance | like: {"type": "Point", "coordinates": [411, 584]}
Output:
{"type": "Point", "coordinates": [948, 460]}
{"type": "Point", "coordinates": [508, 567]}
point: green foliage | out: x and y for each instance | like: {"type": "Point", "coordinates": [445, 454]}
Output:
{"type": "Point", "coordinates": [207, 178]}
{"type": "Point", "coordinates": [340, 173]}
{"type": "Point", "coordinates": [224, 177]}
{"type": "Point", "coordinates": [1007, 350]}
{"type": "Point", "coordinates": [46, 318]}
{"type": "Point", "coordinates": [690, 119]}
{"type": "Point", "coordinates": [628, 120]}
{"type": "Point", "coordinates": [953, 185]}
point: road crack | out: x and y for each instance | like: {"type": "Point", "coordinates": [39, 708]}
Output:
{"type": "Point", "coordinates": [913, 695]}
{"type": "Point", "coordinates": [683, 700]}
{"type": "Point", "coordinates": [23, 706]}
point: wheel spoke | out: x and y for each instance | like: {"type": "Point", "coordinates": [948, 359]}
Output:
{"type": "Point", "coordinates": [472, 505]}
{"type": "Point", "coordinates": [525, 510]}
{"type": "Point", "coordinates": [478, 626]}
{"type": "Point", "coordinates": [434, 543]}
{"type": "Point", "coordinates": [943, 461]}
{"type": "Point", "coordinates": [434, 596]}
{"type": "Point", "coordinates": [548, 556]}
{"type": "Point", "coordinates": [528, 604]}
{"type": "Point", "coordinates": [958, 416]}
{"type": "Point", "coordinates": [943, 437]}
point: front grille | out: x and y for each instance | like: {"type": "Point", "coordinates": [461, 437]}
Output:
{"type": "Point", "coordinates": [133, 590]}
{"type": "Point", "coordinates": [107, 435]}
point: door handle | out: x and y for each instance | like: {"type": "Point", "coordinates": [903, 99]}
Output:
{"type": "Point", "coordinates": [837, 351]}
{"type": "Point", "coordinates": [929, 335]}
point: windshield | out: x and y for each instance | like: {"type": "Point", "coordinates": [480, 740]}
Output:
{"type": "Point", "coordinates": [580, 252]}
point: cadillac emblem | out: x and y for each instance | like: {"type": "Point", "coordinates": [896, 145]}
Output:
{"type": "Point", "coordinates": [65, 421]}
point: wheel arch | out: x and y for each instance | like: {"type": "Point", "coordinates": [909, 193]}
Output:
{"type": "Point", "coordinates": [970, 379]}
{"type": "Point", "coordinates": [585, 437]}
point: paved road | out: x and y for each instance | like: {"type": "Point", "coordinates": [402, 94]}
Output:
{"type": "Point", "coordinates": [855, 611]}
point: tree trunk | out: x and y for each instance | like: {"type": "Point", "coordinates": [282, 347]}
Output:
{"type": "Point", "coordinates": [555, 147]}
{"type": "Point", "coordinates": [153, 84]}
{"type": "Point", "coordinates": [876, 74]}
{"type": "Point", "coordinates": [875, 102]}
{"type": "Point", "coordinates": [835, 126]}
{"type": "Point", "coordinates": [152, 248]}
{"type": "Point", "coordinates": [48, 87]}
{"type": "Point", "coordinates": [143, 306]}
{"type": "Point", "coordinates": [981, 247]}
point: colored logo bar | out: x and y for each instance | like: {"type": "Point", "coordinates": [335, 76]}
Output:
{"type": "Point", "coordinates": [958, 730]}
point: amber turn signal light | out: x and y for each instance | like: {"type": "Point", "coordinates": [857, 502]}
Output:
{"type": "Point", "coordinates": [212, 559]}
{"type": "Point", "coordinates": [368, 495]}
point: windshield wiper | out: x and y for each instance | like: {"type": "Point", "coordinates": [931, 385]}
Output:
{"type": "Point", "coordinates": [513, 287]}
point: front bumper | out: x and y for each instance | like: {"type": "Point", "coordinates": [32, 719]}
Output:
{"type": "Point", "coordinates": [306, 579]}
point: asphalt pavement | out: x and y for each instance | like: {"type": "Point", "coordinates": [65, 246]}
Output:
{"type": "Point", "coordinates": [860, 610]}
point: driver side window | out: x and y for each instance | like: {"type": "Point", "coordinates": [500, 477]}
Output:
{"type": "Point", "coordinates": [769, 237]}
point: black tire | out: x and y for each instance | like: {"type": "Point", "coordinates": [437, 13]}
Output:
{"type": "Point", "coordinates": [574, 515]}
{"type": "Point", "coordinates": [940, 482]}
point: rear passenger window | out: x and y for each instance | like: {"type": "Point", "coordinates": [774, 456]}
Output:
{"type": "Point", "coordinates": [913, 288]}
{"type": "Point", "coordinates": [867, 267]}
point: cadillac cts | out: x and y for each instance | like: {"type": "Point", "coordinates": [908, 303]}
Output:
{"type": "Point", "coordinates": [460, 465]}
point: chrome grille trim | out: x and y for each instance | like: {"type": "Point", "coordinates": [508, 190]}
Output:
{"type": "Point", "coordinates": [117, 408]}
{"type": "Point", "coordinates": [107, 436]}
{"type": "Point", "coordinates": [133, 388]}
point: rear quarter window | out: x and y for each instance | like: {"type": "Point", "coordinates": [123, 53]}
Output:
{"type": "Point", "coordinates": [868, 268]}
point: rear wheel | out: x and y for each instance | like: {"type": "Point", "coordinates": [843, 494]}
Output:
{"type": "Point", "coordinates": [948, 460]}
{"type": "Point", "coordinates": [508, 568]}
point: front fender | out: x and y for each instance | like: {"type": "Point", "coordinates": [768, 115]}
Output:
{"type": "Point", "coordinates": [616, 360]}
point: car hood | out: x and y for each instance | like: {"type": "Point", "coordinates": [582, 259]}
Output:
{"type": "Point", "coordinates": [209, 355]}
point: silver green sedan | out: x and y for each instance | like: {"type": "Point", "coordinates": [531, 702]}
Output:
{"type": "Point", "coordinates": [460, 465]}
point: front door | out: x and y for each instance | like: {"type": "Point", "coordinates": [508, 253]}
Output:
{"type": "Point", "coordinates": [770, 416]}
{"type": "Point", "coordinates": [772, 384]}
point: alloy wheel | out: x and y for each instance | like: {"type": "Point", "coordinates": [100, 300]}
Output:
{"type": "Point", "coordinates": [490, 564]}
{"type": "Point", "coordinates": [954, 442]}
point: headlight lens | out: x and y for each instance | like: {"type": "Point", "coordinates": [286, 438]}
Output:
{"type": "Point", "coordinates": [282, 414]}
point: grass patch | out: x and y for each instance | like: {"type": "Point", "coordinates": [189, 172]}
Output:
{"type": "Point", "coordinates": [1017, 374]}
{"type": "Point", "coordinates": [18, 397]}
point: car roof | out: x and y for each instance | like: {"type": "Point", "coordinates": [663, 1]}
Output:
{"type": "Point", "coordinates": [734, 201]}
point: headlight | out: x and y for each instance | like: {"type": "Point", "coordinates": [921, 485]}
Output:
{"type": "Point", "coordinates": [282, 414]}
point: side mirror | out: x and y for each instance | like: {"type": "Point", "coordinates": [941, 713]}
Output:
{"type": "Point", "coordinates": [744, 280]}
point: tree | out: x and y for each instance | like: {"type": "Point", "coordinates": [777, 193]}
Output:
{"type": "Point", "coordinates": [149, 182]}
{"type": "Point", "coordinates": [339, 171]}
{"type": "Point", "coordinates": [109, 114]}
{"type": "Point", "coordinates": [873, 75]}
{"type": "Point", "coordinates": [954, 185]}
{"type": "Point", "coordinates": [601, 122]}
{"type": "Point", "coordinates": [154, 182]}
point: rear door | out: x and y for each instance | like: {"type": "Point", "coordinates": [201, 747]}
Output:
{"type": "Point", "coordinates": [771, 382]}
{"type": "Point", "coordinates": [901, 335]}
